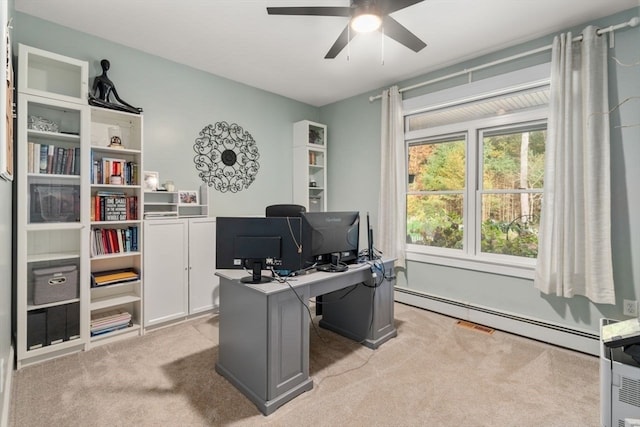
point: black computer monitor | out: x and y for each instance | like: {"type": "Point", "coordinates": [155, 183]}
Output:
{"type": "Point", "coordinates": [258, 244]}
{"type": "Point", "coordinates": [330, 239]}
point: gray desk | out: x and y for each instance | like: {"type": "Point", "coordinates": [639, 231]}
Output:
{"type": "Point", "coordinates": [264, 329]}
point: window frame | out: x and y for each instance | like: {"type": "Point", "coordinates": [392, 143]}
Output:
{"type": "Point", "coordinates": [532, 125]}
{"type": "Point", "coordinates": [471, 257]}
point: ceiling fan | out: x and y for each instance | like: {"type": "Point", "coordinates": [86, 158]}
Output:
{"type": "Point", "coordinates": [364, 16]}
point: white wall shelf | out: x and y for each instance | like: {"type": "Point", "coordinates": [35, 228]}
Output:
{"type": "Point", "coordinates": [310, 165]}
{"type": "Point", "coordinates": [166, 204]}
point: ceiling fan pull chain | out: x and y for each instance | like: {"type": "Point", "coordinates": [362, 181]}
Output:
{"type": "Point", "coordinates": [348, 44]}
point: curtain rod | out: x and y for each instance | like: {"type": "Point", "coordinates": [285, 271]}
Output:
{"type": "Point", "coordinates": [631, 23]}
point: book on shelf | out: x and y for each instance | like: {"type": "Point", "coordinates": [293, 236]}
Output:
{"type": "Point", "coordinates": [106, 330]}
{"type": "Point", "coordinates": [109, 321]}
{"type": "Point", "coordinates": [107, 241]}
{"type": "Point", "coordinates": [50, 154]}
{"type": "Point", "coordinates": [44, 158]}
{"type": "Point", "coordinates": [113, 206]}
{"type": "Point", "coordinates": [113, 171]}
{"type": "Point", "coordinates": [112, 277]}
{"type": "Point", "coordinates": [52, 159]}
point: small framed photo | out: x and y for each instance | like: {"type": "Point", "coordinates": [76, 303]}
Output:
{"type": "Point", "coordinates": [151, 180]}
{"type": "Point", "coordinates": [187, 197]}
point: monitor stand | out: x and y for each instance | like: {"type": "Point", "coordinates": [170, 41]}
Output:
{"type": "Point", "coordinates": [332, 268]}
{"type": "Point", "coordinates": [256, 276]}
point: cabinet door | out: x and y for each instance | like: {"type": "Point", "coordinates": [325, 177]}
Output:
{"type": "Point", "coordinates": [165, 270]}
{"type": "Point", "coordinates": [203, 283]}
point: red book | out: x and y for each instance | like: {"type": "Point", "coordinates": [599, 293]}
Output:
{"type": "Point", "coordinates": [114, 241]}
{"type": "Point", "coordinates": [97, 208]}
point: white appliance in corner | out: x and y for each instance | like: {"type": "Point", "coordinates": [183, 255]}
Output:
{"type": "Point", "coordinates": [619, 386]}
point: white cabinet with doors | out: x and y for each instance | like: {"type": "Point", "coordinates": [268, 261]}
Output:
{"type": "Point", "coordinates": [179, 264]}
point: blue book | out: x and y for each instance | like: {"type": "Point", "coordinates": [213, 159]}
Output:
{"type": "Point", "coordinates": [44, 152]}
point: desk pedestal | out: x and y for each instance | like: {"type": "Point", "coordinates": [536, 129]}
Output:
{"type": "Point", "coordinates": [264, 329]}
{"type": "Point", "coordinates": [364, 315]}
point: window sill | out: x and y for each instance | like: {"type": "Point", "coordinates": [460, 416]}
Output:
{"type": "Point", "coordinates": [504, 266]}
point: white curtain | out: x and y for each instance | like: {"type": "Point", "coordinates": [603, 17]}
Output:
{"type": "Point", "coordinates": [574, 256]}
{"type": "Point", "coordinates": [392, 202]}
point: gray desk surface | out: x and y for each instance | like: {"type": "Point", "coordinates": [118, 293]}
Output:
{"type": "Point", "coordinates": [274, 286]}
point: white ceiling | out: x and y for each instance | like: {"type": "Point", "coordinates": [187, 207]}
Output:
{"type": "Point", "coordinates": [236, 39]}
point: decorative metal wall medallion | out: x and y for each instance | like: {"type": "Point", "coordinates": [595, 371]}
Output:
{"type": "Point", "coordinates": [227, 158]}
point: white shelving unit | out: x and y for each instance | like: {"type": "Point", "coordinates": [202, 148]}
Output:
{"type": "Point", "coordinates": [59, 138]}
{"type": "Point", "coordinates": [166, 204]}
{"type": "Point", "coordinates": [310, 165]}
{"type": "Point", "coordinates": [52, 201]}
{"type": "Point", "coordinates": [160, 204]}
{"type": "Point", "coordinates": [116, 239]}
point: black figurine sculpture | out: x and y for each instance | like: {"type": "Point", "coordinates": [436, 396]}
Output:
{"type": "Point", "coordinates": [103, 88]}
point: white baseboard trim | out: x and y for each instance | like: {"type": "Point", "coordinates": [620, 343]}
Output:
{"type": "Point", "coordinates": [6, 401]}
{"type": "Point", "coordinates": [560, 335]}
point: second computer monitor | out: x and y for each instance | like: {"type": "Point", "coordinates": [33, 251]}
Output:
{"type": "Point", "coordinates": [330, 237]}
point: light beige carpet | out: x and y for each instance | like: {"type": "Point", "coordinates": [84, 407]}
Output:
{"type": "Point", "coordinates": [433, 374]}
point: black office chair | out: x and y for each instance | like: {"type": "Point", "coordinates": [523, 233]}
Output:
{"type": "Point", "coordinates": [285, 210]}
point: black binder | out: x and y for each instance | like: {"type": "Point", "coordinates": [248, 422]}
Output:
{"type": "Point", "coordinates": [73, 321]}
{"type": "Point", "coordinates": [56, 324]}
{"type": "Point", "coordinates": [36, 329]}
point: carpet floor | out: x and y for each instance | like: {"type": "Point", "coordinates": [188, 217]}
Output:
{"type": "Point", "coordinates": [434, 373]}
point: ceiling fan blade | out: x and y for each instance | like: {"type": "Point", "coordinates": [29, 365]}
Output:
{"type": "Point", "coordinates": [396, 31]}
{"type": "Point", "coordinates": [390, 6]}
{"type": "Point", "coordinates": [343, 39]}
{"type": "Point", "coordinates": [312, 10]}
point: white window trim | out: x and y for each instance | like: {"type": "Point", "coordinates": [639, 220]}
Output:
{"type": "Point", "coordinates": [511, 82]}
{"type": "Point", "coordinates": [504, 265]}
{"type": "Point", "coordinates": [527, 78]}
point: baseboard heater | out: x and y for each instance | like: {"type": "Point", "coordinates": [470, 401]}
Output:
{"type": "Point", "coordinates": [575, 339]}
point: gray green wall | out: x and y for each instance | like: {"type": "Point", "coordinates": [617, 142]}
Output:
{"type": "Point", "coordinates": [354, 157]}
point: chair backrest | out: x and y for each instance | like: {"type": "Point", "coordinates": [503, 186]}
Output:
{"type": "Point", "coordinates": [285, 210]}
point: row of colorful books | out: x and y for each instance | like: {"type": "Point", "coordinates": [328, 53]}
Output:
{"type": "Point", "coordinates": [51, 159]}
{"type": "Point", "coordinates": [106, 241]}
{"type": "Point", "coordinates": [114, 171]}
{"type": "Point", "coordinates": [113, 206]}
{"type": "Point", "coordinates": [109, 321]}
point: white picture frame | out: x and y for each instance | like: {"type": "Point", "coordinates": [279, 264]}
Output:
{"type": "Point", "coordinates": [151, 181]}
{"type": "Point", "coordinates": [188, 197]}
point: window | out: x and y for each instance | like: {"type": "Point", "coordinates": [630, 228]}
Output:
{"type": "Point", "coordinates": [475, 178]}
{"type": "Point", "coordinates": [435, 196]}
{"type": "Point", "coordinates": [511, 190]}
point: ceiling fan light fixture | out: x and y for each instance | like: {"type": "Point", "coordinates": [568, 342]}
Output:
{"type": "Point", "coordinates": [366, 19]}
